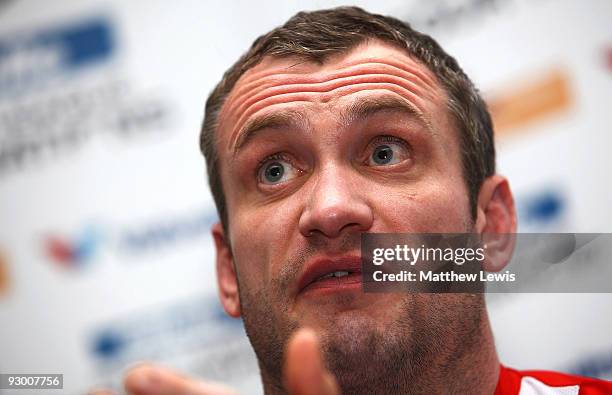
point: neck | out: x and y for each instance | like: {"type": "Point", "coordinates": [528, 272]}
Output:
{"type": "Point", "coordinates": [471, 367]}
{"type": "Point", "coordinates": [475, 370]}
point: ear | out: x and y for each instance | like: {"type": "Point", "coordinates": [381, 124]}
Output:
{"type": "Point", "coordinates": [226, 274]}
{"type": "Point", "coordinates": [496, 222]}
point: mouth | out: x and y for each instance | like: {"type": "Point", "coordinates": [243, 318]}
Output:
{"type": "Point", "coordinates": [327, 275]}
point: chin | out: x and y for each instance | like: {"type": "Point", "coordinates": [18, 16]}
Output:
{"type": "Point", "coordinates": [352, 334]}
{"type": "Point", "coordinates": [355, 346]}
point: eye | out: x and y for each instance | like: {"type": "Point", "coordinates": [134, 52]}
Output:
{"type": "Point", "coordinates": [388, 150]}
{"type": "Point", "coordinates": [275, 170]}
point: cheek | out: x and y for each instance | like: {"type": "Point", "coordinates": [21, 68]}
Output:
{"type": "Point", "coordinates": [429, 207]}
{"type": "Point", "coordinates": [261, 237]}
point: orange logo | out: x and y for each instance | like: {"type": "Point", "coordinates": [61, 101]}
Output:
{"type": "Point", "coordinates": [534, 100]}
{"type": "Point", "coordinates": [4, 277]}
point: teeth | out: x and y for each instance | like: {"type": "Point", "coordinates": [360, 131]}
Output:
{"type": "Point", "coordinates": [336, 274]}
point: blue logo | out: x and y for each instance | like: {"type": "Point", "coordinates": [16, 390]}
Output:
{"type": "Point", "coordinates": [180, 327]}
{"type": "Point", "coordinates": [168, 232]}
{"type": "Point", "coordinates": [108, 344]}
{"type": "Point", "coordinates": [28, 60]}
{"type": "Point", "coordinates": [594, 366]}
{"type": "Point", "coordinates": [541, 208]}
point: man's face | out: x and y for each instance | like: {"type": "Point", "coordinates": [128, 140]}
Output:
{"type": "Point", "coordinates": [310, 156]}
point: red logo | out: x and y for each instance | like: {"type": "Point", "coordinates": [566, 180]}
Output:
{"type": "Point", "coordinates": [74, 251]}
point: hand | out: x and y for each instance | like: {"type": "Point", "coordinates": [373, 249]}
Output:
{"type": "Point", "coordinates": [147, 379]}
{"type": "Point", "coordinates": [304, 374]}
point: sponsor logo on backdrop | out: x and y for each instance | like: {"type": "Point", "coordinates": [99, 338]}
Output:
{"type": "Point", "coordinates": [543, 210]}
{"type": "Point", "coordinates": [29, 61]}
{"type": "Point", "coordinates": [533, 100]}
{"type": "Point", "coordinates": [450, 15]}
{"type": "Point", "coordinates": [162, 332]}
{"type": "Point", "coordinates": [608, 57]}
{"type": "Point", "coordinates": [594, 365]}
{"type": "Point", "coordinates": [4, 274]}
{"type": "Point", "coordinates": [80, 249]}
{"type": "Point", "coordinates": [76, 251]}
{"type": "Point", "coordinates": [61, 86]}
{"type": "Point", "coordinates": [166, 232]}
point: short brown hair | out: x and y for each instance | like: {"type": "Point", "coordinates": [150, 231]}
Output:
{"type": "Point", "coordinates": [313, 36]}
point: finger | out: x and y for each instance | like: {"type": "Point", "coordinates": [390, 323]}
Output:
{"type": "Point", "coordinates": [305, 373]}
{"type": "Point", "coordinates": [146, 379]}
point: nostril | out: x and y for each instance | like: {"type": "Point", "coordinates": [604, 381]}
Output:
{"type": "Point", "coordinates": [353, 224]}
{"type": "Point", "coordinates": [331, 217]}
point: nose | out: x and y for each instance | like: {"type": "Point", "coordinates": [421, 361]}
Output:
{"type": "Point", "coordinates": [337, 202]}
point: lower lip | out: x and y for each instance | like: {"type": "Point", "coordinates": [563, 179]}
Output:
{"type": "Point", "coordinates": [351, 282]}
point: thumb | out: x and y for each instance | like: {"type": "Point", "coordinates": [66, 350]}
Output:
{"type": "Point", "coordinates": [305, 373]}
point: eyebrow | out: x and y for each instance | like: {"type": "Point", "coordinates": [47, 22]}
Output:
{"type": "Point", "coordinates": [285, 119]}
{"type": "Point", "coordinates": [365, 107]}
{"type": "Point", "coordinates": [360, 109]}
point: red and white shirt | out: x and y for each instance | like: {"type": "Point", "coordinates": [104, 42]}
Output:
{"type": "Point", "coordinates": [541, 382]}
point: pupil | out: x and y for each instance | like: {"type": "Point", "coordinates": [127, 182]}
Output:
{"type": "Point", "coordinates": [383, 154]}
{"type": "Point", "coordinates": [274, 172]}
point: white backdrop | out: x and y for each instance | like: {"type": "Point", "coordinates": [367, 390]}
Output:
{"type": "Point", "coordinates": [105, 253]}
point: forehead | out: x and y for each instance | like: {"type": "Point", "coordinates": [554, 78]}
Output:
{"type": "Point", "coordinates": [373, 67]}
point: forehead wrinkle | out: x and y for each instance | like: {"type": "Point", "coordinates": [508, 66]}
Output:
{"type": "Point", "coordinates": [279, 120]}
{"type": "Point", "coordinates": [331, 85]}
{"type": "Point", "coordinates": [281, 94]}
{"type": "Point", "coordinates": [318, 97]}
{"type": "Point", "coordinates": [343, 69]}
{"type": "Point", "coordinates": [410, 66]}
{"type": "Point", "coordinates": [272, 78]}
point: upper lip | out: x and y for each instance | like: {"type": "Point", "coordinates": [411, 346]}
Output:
{"type": "Point", "coordinates": [320, 267]}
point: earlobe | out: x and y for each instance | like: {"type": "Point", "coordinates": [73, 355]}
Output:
{"type": "Point", "coordinates": [226, 274]}
{"type": "Point", "coordinates": [496, 222]}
